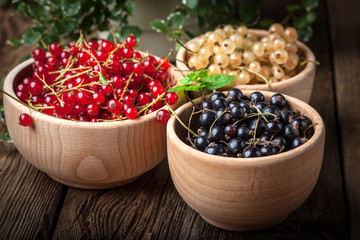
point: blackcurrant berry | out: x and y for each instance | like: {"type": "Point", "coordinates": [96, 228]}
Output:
{"type": "Point", "coordinates": [251, 152]}
{"type": "Point", "coordinates": [273, 127]}
{"type": "Point", "coordinates": [289, 132]}
{"type": "Point", "coordinates": [243, 132]}
{"type": "Point", "coordinates": [278, 100]}
{"type": "Point", "coordinates": [230, 131]}
{"type": "Point", "coordinates": [233, 104]}
{"type": "Point", "coordinates": [216, 95]}
{"type": "Point", "coordinates": [237, 112]}
{"type": "Point", "coordinates": [270, 111]}
{"type": "Point", "coordinates": [214, 149]}
{"type": "Point", "coordinates": [296, 142]}
{"type": "Point", "coordinates": [234, 94]}
{"type": "Point", "coordinates": [217, 134]}
{"type": "Point", "coordinates": [235, 146]}
{"type": "Point", "coordinates": [206, 105]}
{"type": "Point", "coordinates": [286, 117]}
{"type": "Point", "coordinates": [280, 141]}
{"type": "Point", "coordinates": [220, 103]}
{"type": "Point", "coordinates": [201, 143]}
{"type": "Point", "coordinates": [223, 117]}
{"type": "Point", "coordinates": [256, 97]}
{"type": "Point", "coordinates": [258, 125]}
{"type": "Point", "coordinates": [206, 119]}
{"type": "Point", "coordinates": [268, 150]}
{"type": "Point", "coordinates": [261, 106]}
{"type": "Point", "coordinates": [299, 123]}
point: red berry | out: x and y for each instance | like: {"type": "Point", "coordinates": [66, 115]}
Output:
{"type": "Point", "coordinates": [131, 41]}
{"type": "Point", "coordinates": [157, 91]}
{"type": "Point", "coordinates": [106, 90]}
{"type": "Point", "coordinates": [107, 46]}
{"type": "Point", "coordinates": [39, 54]}
{"type": "Point", "coordinates": [23, 96]}
{"type": "Point", "coordinates": [163, 116]}
{"type": "Point", "coordinates": [164, 63]}
{"type": "Point", "coordinates": [149, 66]}
{"type": "Point", "coordinates": [93, 44]}
{"type": "Point", "coordinates": [98, 98]}
{"type": "Point", "coordinates": [83, 97]}
{"type": "Point", "coordinates": [54, 62]}
{"type": "Point", "coordinates": [136, 55]}
{"type": "Point", "coordinates": [83, 57]}
{"type": "Point", "coordinates": [101, 56]}
{"type": "Point", "coordinates": [36, 88]}
{"type": "Point", "coordinates": [138, 68]}
{"type": "Point", "coordinates": [171, 98]}
{"type": "Point", "coordinates": [48, 108]}
{"type": "Point", "coordinates": [131, 112]}
{"type": "Point", "coordinates": [64, 108]}
{"type": "Point", "coordinates": [25, 120]}
{"type": "Point", "coordinates": [55, 49]}
{"type": "Point", "coordinates": [128, 100]}
{"type": "Point", "coordinates": [114, 106]}
{"type": "Point", "coordinates": [150, 110]}
{"type": "Point", "coordinates": [143, 99]}
{"type": "Point", "coordinates": [78, 109]}
{"type": "Point", "coordinates": [92, 110]}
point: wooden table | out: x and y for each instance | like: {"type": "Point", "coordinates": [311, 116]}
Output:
{"type": "Point", "coordinates": [33, 206]}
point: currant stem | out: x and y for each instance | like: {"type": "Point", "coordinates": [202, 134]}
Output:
{"type": "Point", "coordinates": [183, 124]}
{"type": "Point", "coordinates": [152, 103]}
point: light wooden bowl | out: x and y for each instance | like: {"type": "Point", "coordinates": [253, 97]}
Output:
{"type": "Point", "coordinates": [244, 194]}
{"type": "Point", "coordinates": [82, 154]}
{"type": "Point", "coordinates": [299, 86]}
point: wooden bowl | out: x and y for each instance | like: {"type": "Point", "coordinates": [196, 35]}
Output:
{"type": "Point", "coordinates": [299, 86]}
{"type": "Point", "coordinates": [84, 154]}
{"type": "Point", "coordinates": [244, 194]}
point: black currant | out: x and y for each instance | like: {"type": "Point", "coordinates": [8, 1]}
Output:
{"type": "Point", "coordinates": [273, 127]}
{"type": "Point", "coordinates": [258, 125]}
{"type": "Point", "coordinates": [206, 119]}
{"type": "Point", "coordinates": [220, 103]}
{"type": "Point", "coordinates": [280, 141]}
{"type": "Point", "coordinates": [230, 130]}
{"type": "Point", "coordinates": [261, 106]}
{"type": "Point", "coordinates": [214, 149]}
{"type": "Point", "coordinates": [201, 143]}
{"type": "Point", "coordinates": [223, 117]}
{"type": "Point", "coordinates": [203, 133]}
{"type": "Point", "coordinates": [299, 123]}
{"type": "Point", "coordinates": [289, 132]}
{"type": "Point", "coordinates": [296, 142]}
{"type": "Point", "coordinates": [265, 136]}
{"type": "Point", "coordinates": [286, 117]}
{"type": "Point", "coordinates": [268, 150]}
{"type": "Point", "coordinates": [234, 94]}
{"type": "Point", "coordinates": [237, 112]}
{"type": "Point", "coordinates": [217, 134]}
{"type": "Point", "coordinates": [233, 104]}
{"type": "Point", "coordinates": [278, 100]}
{"type": "Point", "coordinates": [216, 95]}
{"type": "Point", "coordinates": [256, 97]}
{"type": "Point", "coordinates": [206, 105]}
{"type": "Point", "coordinates": [243, 132]}
{"type": "Point", "coordinates": [250, 152]}
{"type": "Point", "coordinates": [270, 111]}
{"type": "Point", "coordinates": [235, 146]}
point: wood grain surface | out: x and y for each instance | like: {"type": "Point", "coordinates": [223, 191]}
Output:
{"type": "Point", "coordinates": [32, 206]}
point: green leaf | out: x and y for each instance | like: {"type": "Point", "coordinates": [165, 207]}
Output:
{"type": "Point", "coordinates": [197, 88]}
{"type": "Point", "coordinates": [265, 23]}
{"type": "Point", "coordinates": [102, 80]}
{"type": "Point", "coordinates": [21, 8]}
{"type": "Point", "coordinates": [87, 23]}
{"type": "Point", "coordinates": [130, 29]}
{"type": "Point", "coordinates": [191, 3]}
{"type": "Point", "coordinates": [310, 17]}
{"type": "Point", "coordinates": [70, 8]}
{"type": "Point", "coordinates": [15, 42]}
{"type": "Point", "coordinates": [292, 8]}
{"type": "Point", "coordinates": [159, 26]}
{"type": "Point", "coordinates": [29, 38]}
{"type": "Point", "coordinates": [217, 81]}
{"type": "Point", "coordinates": [309, 5]}
{"type": "Point", "coordinates": [37, 10]}
{"type": "Point", "coordinates": [5, 137]}
{"type": "Point", "coordinates": [176, 20]}
{"type": "Point", "coordinates": [187, 81]}
{"type": "Point", "coordinates": [129, 7]}
{"type": "Point", "coordinates": [53, 33]}
{"type": "Point", "coordinates": [197, 76]}
{"type": "Point", "coordinates": [305, 33]}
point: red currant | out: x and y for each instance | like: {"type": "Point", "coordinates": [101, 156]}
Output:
{"type": "Point", "coordinates": [92, 110]}
{"type": "Point", "coordinates": [25, 119]}
{"type": "Point", "coordinates": [131, 112]}
{"type": "Point", "coordinates": [143, 99]}
{"type": "Point", "coordinates": [39, 54]}
{"type": "Point", "coordinates": [164, 63]}
{"type": "Point", "coordinates": [55, 49]}
{"type": "Point", "coordinates": [171, 98]}
{"type": "Point", "coordinates": [131, 41]}
{"type": "Point", "coordinates": [114, 106]}
{"type": "Point", "coordinates": [163, 116]}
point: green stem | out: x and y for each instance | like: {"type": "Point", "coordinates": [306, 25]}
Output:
{"type": "Point", "coordinates": [152, 103]}
{"type": "Point", "coordinates": [183, 124]}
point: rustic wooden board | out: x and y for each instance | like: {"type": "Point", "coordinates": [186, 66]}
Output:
{"type": "Point", "coordinates": [344, 21]}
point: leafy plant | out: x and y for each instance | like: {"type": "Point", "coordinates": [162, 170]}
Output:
{"type": "Point", "coordinates": [211, 14]}
{"type": "Point", "coordinates": [53, 20]}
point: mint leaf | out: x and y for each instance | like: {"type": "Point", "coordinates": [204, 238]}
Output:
{"type": "Point", "coordinates": [197, 88]}
{"type": "Point", "coordinates": [187, 81]}
{"type": "Point", "coordinates": [216, 81]}
{"type": "Point", "coordinates": [198, 75]}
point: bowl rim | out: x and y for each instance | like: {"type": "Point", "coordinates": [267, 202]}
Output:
{"type": "Point", "coordinates": [230, 161]}
{"type": "Point", "coordinates": [8, 87]}
{"type": "Point", "coordinates": [310, 66]}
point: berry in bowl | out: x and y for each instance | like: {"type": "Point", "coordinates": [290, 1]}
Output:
{"type": "Point", "coordinates": [247, 159]}
{"type": "Point", "coordinates": [89, 115]}
{"type": "Point", "coordinates": [270, 60]}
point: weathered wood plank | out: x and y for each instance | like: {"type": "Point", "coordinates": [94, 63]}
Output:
{"type": "Point", "coordinates": [29, 200]}
{"type": "Point", "coordinates": [344, 21]}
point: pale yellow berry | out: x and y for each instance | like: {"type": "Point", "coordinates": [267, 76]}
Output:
{"type": "Point", "coordinates": [205, 52]}
{"type": "Point", "coordinates": [247, 43]}
{"type": "Point", "coordinates": [195, 62]}
{"type": "Point", "coordinates": [265, 71]}
{"type": "Point", "coordinates": [276, 28]}
{"type": "Point", "coordinates": [268, 45]}
{"type": "Point", "coordinates": [274, 36]}
{"type": "Point", "coordinates": [279, 43]}
{"type": "Point", "coordinates": [226, 71]}
{"type": "Point", "coordinates": [243, 77]}
{"type": "Point", "coordinates": [228, 46]}
{"type": "Point", "coordinates": [242, 30]}
{"type": "Point", "coordinates": [281, 56]}
{"type": "Point", "coordinates": [228, 29]}
{"type": "Point", "coordinates": [193, 46]}
{"type": "Point", "coordinates": [258, 49]}
{"type": "Point", "coordinates": [221, 32]}
{"type": "Point", "coordinates": [291, 47]}
{"type": "Point", "coordinates": [273, 79]}
{"type": "Point", "coordinates": [235, 59]}
{"type": "Point", "coordinates": [215, 38]}
{"type": "Point", "coordinates": [221, 59]}
{"type": "Point", "coordinates": [286, 77]}
{"type": "Point", "coordinates": [255, 66]}
{"type": "Point", "coordinates": [252, 36]}
{"type": "Point", "coordinates": [290, 34]}
{"type": "Point", "coordinates": [277, 71]}
{"type": "Point", "coordinates": [204, 62]}
{"type": "Point", "coordinates": [237, 39]}
{"type": "Point", "coordinates": [214, 69]}
{"type": "Point", "coordinates": [248, 57]}
{"type": "Point", "coordinates": [292, 61]}
{"type": "Point", "coordinates": [217, 49]}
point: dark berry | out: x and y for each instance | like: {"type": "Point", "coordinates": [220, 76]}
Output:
{"type": "Point", "coordinates": [280, 141]}
{"type": "Point", "coordinates": [206, 105]}
{"type": "Point", "coordinates": [256, 97]}
{"type": "Point", "coordinates": [299, 123]}
{"type": "Point", "coordinates": [261, 106]}
{"type": "Point", "coordinates": [278, 100]}
{"type": "Point", "coordinates": [220, 103]}
{"type": "Point", "coordinates": [258, 125]}
{"type": "Point", "coordinates": [230, 131]}
{"type": "Point", "coordinates": [217, 134]}
{"type": "Point", "coordinates": [214, 149]}
{"type": "Point", "coordinates": [237, 112]}
{"type": "Point", "coordinates": [289, 132]}
{"type": "Point", "coordinates": [233, 104]}
{"type": "Point", "coordinates": [286, 117]}
{"type": "Point", "coordinates": [273, 127]}
{"type": "Point", "coordinates": [201, 143]}
{"type": "Point", "coordinates": [265, 136]}
{"type": "Point", "coordinates": [234, 94]}
{"type": "Point", "coordinates": [216, 95]}
{"type": "Point", "coordinates": [271, 112]}
{"type": "Point", "coordinates": [296, 142]}
{"type": "Point", "coordinates": [223, 117]}
{"type": "Point", "coordinates": [268, 150]}
{"type": "Point", "coordinates": [235, 146]}
{"type": "Point", "coordinates": [206, 119]}
{"type": "Point", "coordinates": [243, 132]}
{"type": "Point", "coordinates": [204, 133]}
{"type": "Point", "coordinates": [251, 152]}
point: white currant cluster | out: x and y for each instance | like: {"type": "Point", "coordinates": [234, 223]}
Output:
{"type": "Point", "coordinates": [251, 58]}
